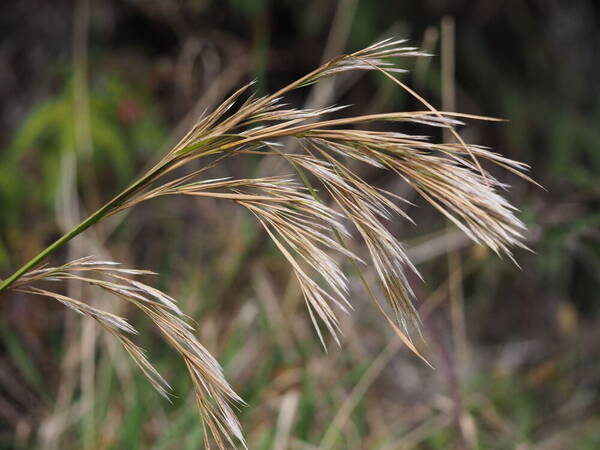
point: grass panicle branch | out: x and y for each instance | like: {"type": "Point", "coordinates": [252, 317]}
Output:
{"type": "Point", "coordinates": [307, 221]}
{"type": "Point", "coordinates": [209, 383]}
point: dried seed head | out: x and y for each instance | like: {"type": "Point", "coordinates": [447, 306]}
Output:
{"type": "Point", "coordinates": [299, 219]}
{"type": "Point", "coordinates": [448, 176]}
{"type": "Point", "coordinates": [213, 393]}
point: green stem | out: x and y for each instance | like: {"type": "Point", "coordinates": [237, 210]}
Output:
{"type": "Point", "coordinates": [51, 248]}
{"type": "Point", "coordinates": [91, 220]}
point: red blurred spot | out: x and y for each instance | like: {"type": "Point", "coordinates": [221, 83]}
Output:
{"type": "Point", "coordinates": [129, 111]}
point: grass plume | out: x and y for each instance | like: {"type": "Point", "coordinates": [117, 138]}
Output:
{"type": "Point", "coordinates": [307, 223]}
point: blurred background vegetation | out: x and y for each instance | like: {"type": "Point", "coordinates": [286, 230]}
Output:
{"type": "Point", "coordinates": [91, 92]}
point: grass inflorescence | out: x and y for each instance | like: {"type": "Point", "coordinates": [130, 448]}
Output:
{"type": "Point", "coordinates": [308, 221]}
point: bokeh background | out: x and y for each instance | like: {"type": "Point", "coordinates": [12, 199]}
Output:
{"type": "Point", "coordinates": [91, 92]}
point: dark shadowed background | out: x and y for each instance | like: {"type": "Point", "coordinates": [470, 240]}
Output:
{"type": "Point", "coordinates": [92, 91]}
